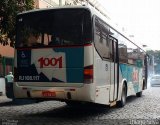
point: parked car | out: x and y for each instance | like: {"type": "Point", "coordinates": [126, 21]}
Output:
{"type": "Point", "coordinates": [155, 80]}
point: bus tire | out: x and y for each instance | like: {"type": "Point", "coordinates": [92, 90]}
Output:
{"type": "Point", "coordinates": [122, 102]}
{"type": "Point", "coordinates": [139, 94]}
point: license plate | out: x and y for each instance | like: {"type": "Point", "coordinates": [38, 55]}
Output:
{"type": "Point", "coordinates": [48, 94]}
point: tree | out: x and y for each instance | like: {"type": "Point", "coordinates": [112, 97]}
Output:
{"type": "Point", "coordinates": [156, 55]}
{"type": "Point", "coordinates": [8, 11]}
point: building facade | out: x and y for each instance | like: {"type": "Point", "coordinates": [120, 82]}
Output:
{"type": "Point", "coordinates": [54, 3]}
{"type": "Point", "coordinates": [6, 59]}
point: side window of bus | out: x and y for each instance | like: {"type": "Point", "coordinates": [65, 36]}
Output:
{"type": "Point", "coordinates": [122, 50]}
{"type": "Point", "coordinates": [133, 54]}
{"type": "Point", "coordinates": [141, 58]}
{"type": "Point", "coordinates": [112, 48]}
{"type": "Point", "coordinates": [110, 45]}
{"type": "Point", "coordinates": [101, 39]}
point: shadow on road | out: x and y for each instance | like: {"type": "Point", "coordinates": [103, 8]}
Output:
{"type": "Point", "coordinates": [64, 115]}
{"type": "Point", "coordinates": [82, 108]}
{"type": "Point", "coordinates": [16, 102]}
{"type": "Point", "coordinates": [131, 99]}
{"type": "Point", "coordinates": [70, 113]}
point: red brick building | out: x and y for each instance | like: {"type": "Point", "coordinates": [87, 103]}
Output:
{"type": "Point", "coordinates": [6, 59]}
{"type": "Point", "coordinates": [6, 51]}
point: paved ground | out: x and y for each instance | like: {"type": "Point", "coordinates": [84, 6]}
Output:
{"type": "Point", "coordinates": [144, 110]}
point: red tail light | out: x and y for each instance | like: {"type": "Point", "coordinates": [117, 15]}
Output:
{"type": "Point", "coordinates": [88, 74]}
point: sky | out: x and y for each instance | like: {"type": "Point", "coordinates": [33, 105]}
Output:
{"type": "Point", "coordinates": [140, 18]}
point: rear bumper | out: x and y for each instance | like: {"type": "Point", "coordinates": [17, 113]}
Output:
{"type": "Point", "coordinates": [84, 93]}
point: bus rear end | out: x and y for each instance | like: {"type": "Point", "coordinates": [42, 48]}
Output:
{"type": "Point", "coordinates": [54, 55]}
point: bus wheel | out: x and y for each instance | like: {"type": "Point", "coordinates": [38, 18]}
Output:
{"type": "Point", "coordinates": [122, 102]}
{"type": "Point", "coordinates": [139, 94]}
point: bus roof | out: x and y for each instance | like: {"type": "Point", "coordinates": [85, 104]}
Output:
{"type": "Point", "coordinates": [55, 8]}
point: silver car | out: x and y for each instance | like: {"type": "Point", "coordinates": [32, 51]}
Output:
{"type": "Point", "coordinates": [155, 80]}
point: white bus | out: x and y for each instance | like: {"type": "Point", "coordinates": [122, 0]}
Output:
{"type": "Point", "coordinates": [70, 54]}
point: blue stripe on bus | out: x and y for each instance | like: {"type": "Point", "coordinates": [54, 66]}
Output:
{"type": "Point", "coordinates": [127, 73]}
{"type": "Point", "coordinates": [74, 63]}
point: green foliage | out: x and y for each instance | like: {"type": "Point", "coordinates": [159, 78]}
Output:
{"type": "Point", "coordinates": [8, 11]}
{"type": "Point", "coordinates": [155, 54]}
